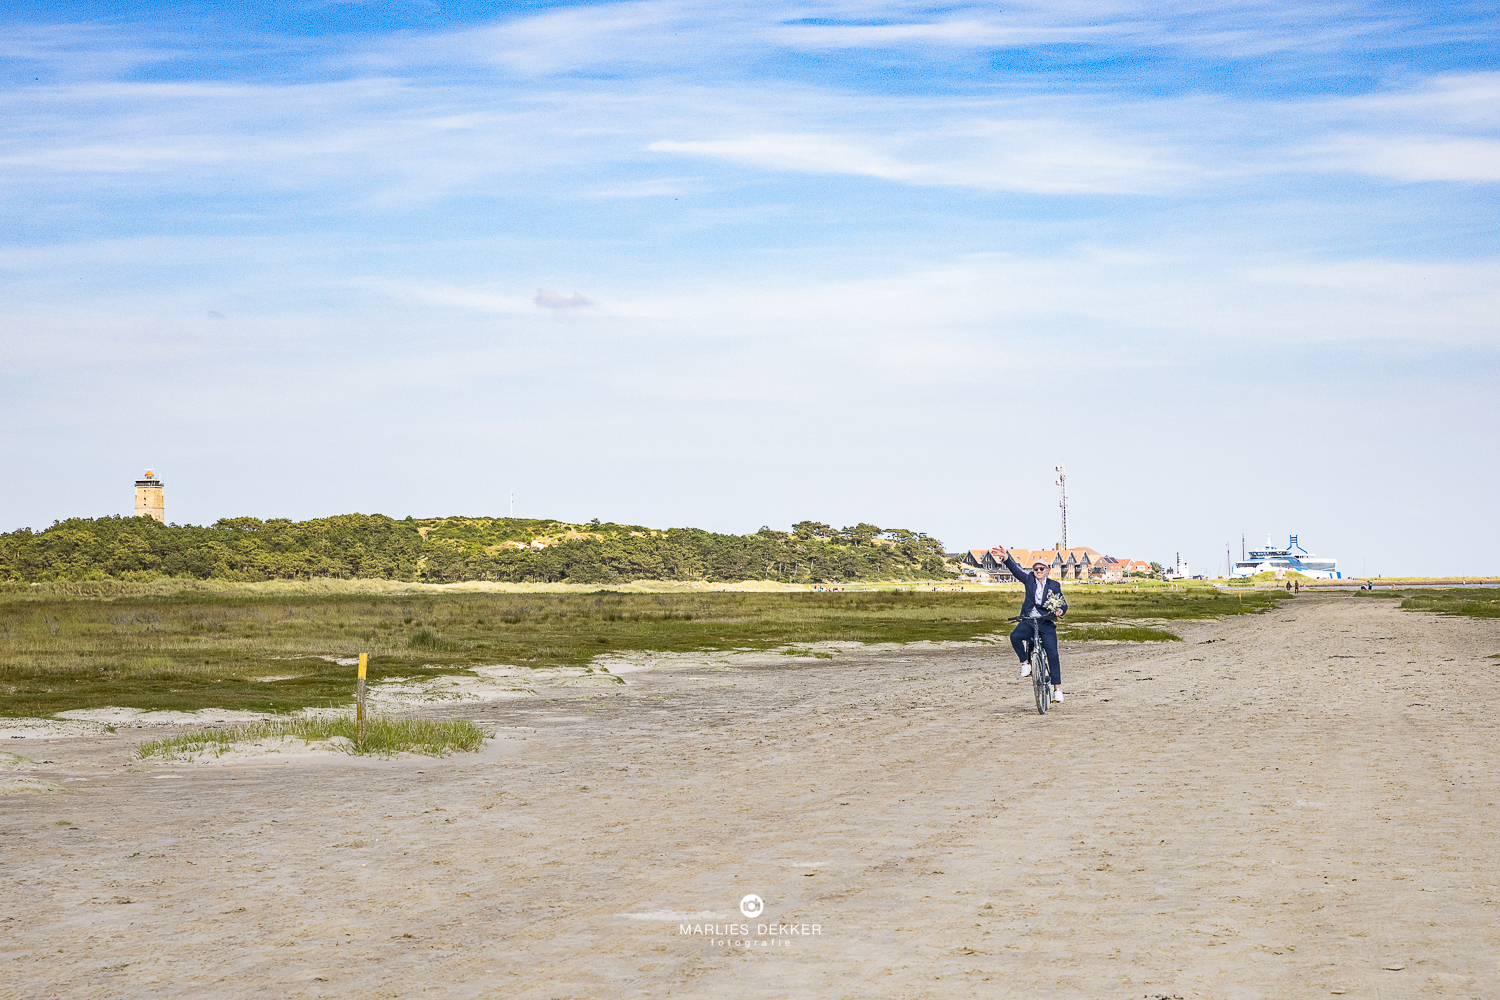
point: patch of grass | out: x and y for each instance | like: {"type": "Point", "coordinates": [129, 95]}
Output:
{"type": "Point", "coordinates": [267, 652]}
{"type": "Point", "coordinates": [1104, 604]}
{"type": "Point", "coordinates": [1378, 593]}
{"type": "Point", "coordinates": [383, 737]}
{"type": "Point", "coordinates": [1119, 633]}
{"type": "Point", "coordinates": [815, 653]}
{"type": "Point", "coordinates": [1478, 602]}
{"type": "Point", "coordinates": [43, 682]}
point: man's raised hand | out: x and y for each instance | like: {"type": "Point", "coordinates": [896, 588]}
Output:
{"type": "Point", "coordinates": [999, 553]}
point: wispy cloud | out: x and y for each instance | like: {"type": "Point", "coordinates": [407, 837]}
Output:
{"type": "Point", "coordinates": [80, 51]}
{"type": "Point", "coordinates": [1452, 100]}
{"type": "Point", "coordinates": [958, 32]}
{"type": "Point", "coordinates": [597, 37]}
{"type": "Point", "coordinates": [651, 36]}
{"type": "Point", "coordinates": [549, 299]}
{"type": "Point", "coordinates": [1045, 157]}
{"type": "Point", "coordinates": [658, 187]}
{"type": "Point", "coordinates": [412, 135]}
{"type": "Point", "coordinates": [1412, 159]}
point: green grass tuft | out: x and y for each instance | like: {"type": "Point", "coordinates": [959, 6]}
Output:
{"type": "Point", "coordinates": [1120, 633]}
{"type": "Point", "coordinates": [424, 639]}
{"type": "Point", "coordinates": [816, 653]}
{"type": "Point", "coordinates": [383, 737]}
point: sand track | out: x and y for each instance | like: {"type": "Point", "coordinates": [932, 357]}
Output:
{"type": "Point", "coordinates": [1280, 806]}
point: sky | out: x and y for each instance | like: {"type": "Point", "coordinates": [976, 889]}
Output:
{"type": "Point", "coordinates": [1235, 266]}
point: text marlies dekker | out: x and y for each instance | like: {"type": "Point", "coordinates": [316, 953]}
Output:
{"type": "Point", "coordinates": [743, 930]}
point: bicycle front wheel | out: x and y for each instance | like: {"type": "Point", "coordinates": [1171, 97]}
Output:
{"type": "Point", "coordinates": [1041, 680]}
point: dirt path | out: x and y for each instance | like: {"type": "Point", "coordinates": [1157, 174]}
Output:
{"type": "Point", "coordinates": [1287, 805]}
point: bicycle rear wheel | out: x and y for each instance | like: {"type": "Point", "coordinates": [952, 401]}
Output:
{"type": "Point", "coordinates": [1041, 680]}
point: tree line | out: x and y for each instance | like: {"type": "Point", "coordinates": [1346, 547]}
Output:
{"type": "Point", "coordinates": [453, 549]}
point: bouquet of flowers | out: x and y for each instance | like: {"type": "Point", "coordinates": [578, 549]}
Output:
{"type": "Point", "coordinates": [1054, 604]}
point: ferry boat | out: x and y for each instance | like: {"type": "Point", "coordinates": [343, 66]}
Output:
{"type": "Point", "coordinates": [1293, 558]}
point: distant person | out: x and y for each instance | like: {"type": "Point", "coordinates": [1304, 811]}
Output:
{"type": "Point", "coordinates": [1296, 586]}
{"type": "Point", "coordinates": [1042, 596]}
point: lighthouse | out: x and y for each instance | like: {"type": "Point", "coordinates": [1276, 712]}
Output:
{"type": "Point", "coordinates": [148, 498]}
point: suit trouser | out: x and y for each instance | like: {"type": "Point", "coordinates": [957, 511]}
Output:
{"type": "Point", "coordinates": [1020, 640]}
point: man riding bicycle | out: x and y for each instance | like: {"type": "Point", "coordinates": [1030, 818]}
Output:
{"type": "Point", "coordinates": [1043, 598]}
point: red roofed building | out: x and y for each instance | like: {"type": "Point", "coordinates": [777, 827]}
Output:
{"type": "Point", "coordinates": [1080, 563]}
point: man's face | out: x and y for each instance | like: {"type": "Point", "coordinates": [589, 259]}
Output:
{"type": "Point", "coordinates": [1040, 569]}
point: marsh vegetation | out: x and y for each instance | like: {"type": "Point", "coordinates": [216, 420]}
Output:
{"type": "Point", "coordinates": [1470, 602]}
{"type": "Point", "coordinates": [241, 649]}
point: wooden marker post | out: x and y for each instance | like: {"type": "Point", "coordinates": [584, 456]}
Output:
{"type": "Point", "coordinates": [359, 697]}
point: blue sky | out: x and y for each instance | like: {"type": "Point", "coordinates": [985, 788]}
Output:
{"type": "Point", "coordinates": [730, 265]}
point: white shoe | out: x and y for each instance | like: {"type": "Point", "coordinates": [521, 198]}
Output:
{"type": "Point", "coordinates": [1057, 697]}
{"type": "Point", "coordinates": [1026, 669]}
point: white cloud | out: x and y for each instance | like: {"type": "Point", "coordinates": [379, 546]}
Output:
{"type": "Point", "coordinates": [652, 36]}
{"type": "Point", "coordinates": [967, 33]}
{"type": "Point", "coordinates": [1411, 160]}
{"type": "Point", "coordinates": [588, 38]}
{"type": "Point", "coordinates": [79, 51]}
{"type": "Point", "coordinates": [659, 187]}
{"type": "Point", "coordinates": [1436, 129]}
{"type": "Point", "coordinates": [1455, 100]}
{"type": "Point", "coordinates": [397, 141]}
{"type": "Point", "coordinates": [1045, 157]}
{"type": "Point", "coordinates": [549, 299]}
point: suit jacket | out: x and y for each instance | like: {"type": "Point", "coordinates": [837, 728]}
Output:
{"type": "Point", "coordinates": [1029, 579]}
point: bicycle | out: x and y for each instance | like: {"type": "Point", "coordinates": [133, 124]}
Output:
{"type": "Point", "coordinates": [1041, 670]}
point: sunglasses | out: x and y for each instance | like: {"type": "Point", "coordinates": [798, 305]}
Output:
{"type": "Point", "coordinates": [1040, 568]}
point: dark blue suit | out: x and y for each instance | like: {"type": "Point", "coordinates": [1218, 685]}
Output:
{"type": "Point", "coordinates": [1020, 639]}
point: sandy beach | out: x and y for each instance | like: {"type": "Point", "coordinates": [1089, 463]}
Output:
{"type": "Point", "coordinates": [1295, 804]}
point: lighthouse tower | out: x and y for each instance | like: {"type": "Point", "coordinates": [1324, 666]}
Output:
{"type": "Point", "coordinates": [148, 498]}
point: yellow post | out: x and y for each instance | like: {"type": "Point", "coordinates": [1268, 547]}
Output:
{"type": "Point", "coordinates": [364, 661]}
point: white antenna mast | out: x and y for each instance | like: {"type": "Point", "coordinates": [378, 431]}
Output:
{"type": "Point", "coordinates": [512, 503]}
{"type": "Point", "coordinates": [1062, 480]}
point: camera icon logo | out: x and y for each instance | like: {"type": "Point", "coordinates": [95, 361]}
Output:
{"type": "Point", "coordinates": [752, 905]}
